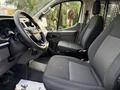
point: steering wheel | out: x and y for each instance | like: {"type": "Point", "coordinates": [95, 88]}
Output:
{"type": "Point", "coordinates": [31, 33]}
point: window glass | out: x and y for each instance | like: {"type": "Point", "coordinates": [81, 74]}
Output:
{"type": "Point", "coordinates": [113, 10]}
{"type": "Point", "coordinates": [69, 14]}
{"type": "Point", "coordinates": [31, 6]}
{"type": "Point", "coordinates": [102, 9]}
{"type": "Point", "coordinates": [8, 7]}
{"type": "Point", "coordinates": [52, 18]}
{"type": "Point", "coordinates": [63, 15]}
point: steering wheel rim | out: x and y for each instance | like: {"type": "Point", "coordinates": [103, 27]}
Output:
{"type": "Point", "coordinates": [31, 43]}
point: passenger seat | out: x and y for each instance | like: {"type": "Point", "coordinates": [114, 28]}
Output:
{"type": "Point", "coordinates": [88, 34]}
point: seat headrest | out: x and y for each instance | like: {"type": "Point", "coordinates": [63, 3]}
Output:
{"type": "Point", "coordinates": [96, 7]}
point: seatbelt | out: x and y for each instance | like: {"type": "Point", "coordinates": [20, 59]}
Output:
{"type": "Point", "coordinates": [85, 19]}
{"type": "Point", "coordinates": [106, 9]}
{"type": "Point", "coordinates": [86, 15]}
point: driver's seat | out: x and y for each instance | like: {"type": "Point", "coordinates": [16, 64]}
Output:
{"type": "Point", "coordinates": [68, 73]}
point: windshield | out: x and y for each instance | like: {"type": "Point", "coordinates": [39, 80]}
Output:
{"type": "Point", "coordinates": [8, 7]}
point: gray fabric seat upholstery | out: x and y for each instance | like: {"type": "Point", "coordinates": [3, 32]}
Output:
{"type": "Point", "coordinates": [68, 73]}
{"type": "Point", "coordinates": [87, 35]}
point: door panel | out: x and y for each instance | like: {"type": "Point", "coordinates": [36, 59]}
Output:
{"type": "Point", "coordinates": [68, 34]}
{"type": "Point", "coordinates": [55, 37]}
{"type": "Point", "coordinates": [61, 35]}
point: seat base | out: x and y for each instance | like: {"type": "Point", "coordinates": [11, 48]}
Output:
{"type": "Point", "coordinates": [68, 73]}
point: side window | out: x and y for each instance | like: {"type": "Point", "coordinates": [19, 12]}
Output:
{"type": "Point", "coordinates": [69, 14]}
{"type": "Point", "coordinates": [113, 10]}
{"type": "Point", "coordinates": [63, 15]}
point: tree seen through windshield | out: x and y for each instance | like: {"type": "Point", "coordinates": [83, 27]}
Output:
{"type": "Point", "coordinates": [8, 7]}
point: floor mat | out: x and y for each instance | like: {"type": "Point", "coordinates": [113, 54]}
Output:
{"type": "Point", "coordinates": [37, 66]}
{"type": "Point", "coordinates": [44, 60]}
{"type": "Point", "coordinates": [21, 72]}
{"type": "Point", "coordinates": [11, 85]}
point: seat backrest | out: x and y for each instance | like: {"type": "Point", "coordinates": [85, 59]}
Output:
{"type": "Point", "coordinates": [104, 54]}
{"type": "Point", "coordinates": [92, 29]}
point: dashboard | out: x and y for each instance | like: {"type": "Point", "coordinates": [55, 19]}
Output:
{"type": "Point", "coordinates": [11, 47]}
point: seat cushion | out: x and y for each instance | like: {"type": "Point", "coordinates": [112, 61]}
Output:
{"type": "Point", "coordinates": [68, 73]}
{"type": "Point", "coordinates": [65, 46]}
